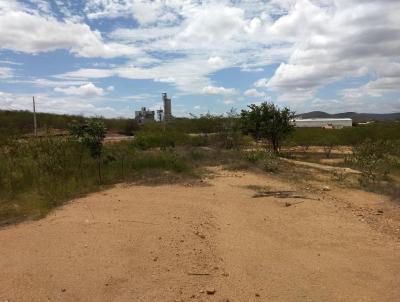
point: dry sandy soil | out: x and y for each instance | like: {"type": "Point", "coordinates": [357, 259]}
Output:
{"type": "Point", "coordinates": [210, 242]}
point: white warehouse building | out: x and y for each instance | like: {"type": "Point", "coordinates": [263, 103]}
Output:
{"type": "Point", "coordinates": [336, 123]}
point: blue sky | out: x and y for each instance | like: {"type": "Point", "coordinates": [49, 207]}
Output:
{"type": "Point", "coordinates": [110, 57]}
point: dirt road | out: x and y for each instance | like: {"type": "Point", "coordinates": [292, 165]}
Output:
{"type": "Point", "coordinates": [207, 243]}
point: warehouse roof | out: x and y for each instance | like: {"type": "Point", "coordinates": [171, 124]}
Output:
{"type": "Point", "coordinates": [321, 119]}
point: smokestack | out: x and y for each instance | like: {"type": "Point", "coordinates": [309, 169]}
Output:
{"type": "Point", "coordinates": [167, 107]}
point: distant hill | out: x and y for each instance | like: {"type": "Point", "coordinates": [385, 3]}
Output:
{"type": "Point", "coordinates": [357, 117]}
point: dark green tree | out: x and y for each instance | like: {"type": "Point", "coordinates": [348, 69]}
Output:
{"type": "Point", "coordinates": [91, 135]}
{"type": "Point", "coordinates": [267, 121]}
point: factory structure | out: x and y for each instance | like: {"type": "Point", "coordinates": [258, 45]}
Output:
{"type": "Point", "coordinates": [167, 108]}
{"type": "Point", "coordinates": [327, 123]}
{"type": "Point", "coordinates": [144, 115]}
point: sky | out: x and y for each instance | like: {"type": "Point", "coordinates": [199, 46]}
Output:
{"type": "Point", "coordinates": [111, 57]}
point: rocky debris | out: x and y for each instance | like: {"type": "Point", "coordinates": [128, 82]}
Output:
{"type": "Point", "coordinates": [199, 274]}
{"type": "Point", "coordinates": [287, 204]}
{"type": "Point", "coordinates": [202, 236]}
{"type": "Point", "coordinates": [326, 188]}
{"type": "Point", "coordinates": [210, 291]}
{"type": "Point", "coordinates": [280, 194]}
{"type": "Point", "coordinates": [257, 295]}
{"type": "Point", "coordinates": [155, 259]}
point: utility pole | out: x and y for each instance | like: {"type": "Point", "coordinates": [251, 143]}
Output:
{"type": "Point", "coordinates": [34, 116]}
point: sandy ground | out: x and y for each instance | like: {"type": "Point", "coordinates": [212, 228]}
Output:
{"type": "Point", "coordinates": [343, 150]}
{"type": "Point", "coordinates": [175, 243]}
{"type": "Point", "coordinates": [323, 167]}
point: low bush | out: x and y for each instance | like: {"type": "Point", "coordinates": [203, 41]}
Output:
{"type": "Point", "coordinates": [148, 140]}
{"type": "Point", "coordinates": [266, 159]}
{"type": "Point", "coordinates": [375, 159]}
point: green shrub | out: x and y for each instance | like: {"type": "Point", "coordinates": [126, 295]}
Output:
{"type": "Point", "coordinates": [147, 140]}
{"type": "Point", "coordinates": [164, 161]}
{"type": "Point", "coordinates": [264, 158]}
{"type": "Point", "coordinates": [374, 159]}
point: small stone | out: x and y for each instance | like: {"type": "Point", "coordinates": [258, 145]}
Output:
{"type": "Point", "coordinates": [287, 204]}
{"type": "Point", "coordinates": [380, 211]}
{"type": "Point", "coordinates": [211, 291]}
{"type": "Point", "coordinates": [155, 259]}
{"type": "Point", "coordinates": [326, 188]}
{"type": "Point", "coordinates": [63, 290]}
{"type": "Point", "coordinates": [86, 245]}
{"type": "Point", "coordinates": [257, 294]}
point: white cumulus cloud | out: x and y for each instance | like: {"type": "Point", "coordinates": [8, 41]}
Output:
{"type": "Point", "coordinates": [254, 93]}
{"type": "Point", "coordinates": [33, 33]}
{"type": "Point", "coordinates": [89, 90]}
{"type": "Point", "coordinates": [213, 90]}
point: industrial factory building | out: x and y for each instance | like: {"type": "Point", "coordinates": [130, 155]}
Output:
{"type": "Point", "coordinates": [328, 123]}
{"type": "Point", "coordinates": [145, 116]}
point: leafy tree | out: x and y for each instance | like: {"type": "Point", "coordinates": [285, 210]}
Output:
{"type": "Point", "coordinates": [267, 121]}
{"type": "Point", "coordinates": [91, 135]}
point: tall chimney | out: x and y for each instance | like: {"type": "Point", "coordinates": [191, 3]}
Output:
{"type": "Point", "coordinates": [167, 107]}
